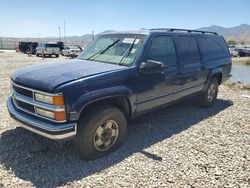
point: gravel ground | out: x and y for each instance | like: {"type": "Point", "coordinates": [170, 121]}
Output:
{"type": "Point", "coordinates": [179, 146]}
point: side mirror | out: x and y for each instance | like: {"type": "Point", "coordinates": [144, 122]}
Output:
{"type": "Point", "coordinates": [151, 67]}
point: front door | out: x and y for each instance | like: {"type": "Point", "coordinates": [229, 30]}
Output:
{"type": "Point", "coordinates": [157, 89]}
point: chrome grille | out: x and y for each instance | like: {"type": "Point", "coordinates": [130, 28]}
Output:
{"type": "Point", "coordinates": [23, 99]}
{"type": "Point", "coordinates": [25, 106]}
{"type": "Point", "coordinates": [23, 91]}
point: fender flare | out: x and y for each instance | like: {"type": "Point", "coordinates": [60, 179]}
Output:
{"type": "Point", "coordinates": [218, 70]}
{"type": "Point", "coordinates": [100, 94]}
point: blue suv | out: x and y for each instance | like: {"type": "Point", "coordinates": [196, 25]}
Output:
{"type": "Point", "coordinates": [120, 75]}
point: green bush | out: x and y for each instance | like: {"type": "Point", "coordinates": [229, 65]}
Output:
{"type": "Point", "coordinates": [231, 42]}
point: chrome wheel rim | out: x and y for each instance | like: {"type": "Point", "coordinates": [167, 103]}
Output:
{"type": "Point", "coordinates": [106, 135]}
{"type": "Point", "coordinates": [211, 93]}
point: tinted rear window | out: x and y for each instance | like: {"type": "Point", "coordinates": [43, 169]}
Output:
{"type": "Point", "coordinates": [52, 45]}
{"type": "Point", "coordinates": [189, 48]}
{"type": "Point", "coordinates": [213, 47]}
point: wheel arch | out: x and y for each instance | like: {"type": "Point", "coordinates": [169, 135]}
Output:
{"type": "Point", "coordinates": [218, 77]}
{"type": "Point", "coordinates": [121, 102]}
{"type": "Point", "coordinates": [216, 73]}
{"type": "Point", "coordinates": [120, 97]}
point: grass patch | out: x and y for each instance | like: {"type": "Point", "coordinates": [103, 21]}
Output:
{"type": "Point", "coordinates": [247, 62]}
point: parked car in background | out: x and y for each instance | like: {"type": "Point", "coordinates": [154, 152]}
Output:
{"type": "Point", "coordinates": [242, 52]}
{"type": "Point", "coordinates": [48, 49]}
{"type": "Point", "coordinates": [27, 47]}
{"type": "Point", "coordinates": [120, 75]}
{"type": "Point", "coordinates": [233, 52]}
{"type": "Point", "coordinates": [60, 45]}
{"type": "Point", "coordinates": [71, 51]}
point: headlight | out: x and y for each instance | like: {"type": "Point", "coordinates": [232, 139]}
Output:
{"type": "Point", "coordinates": [58, 116]}
{"type": "Point", "coordinates": [54, 100]}
{"type": "Point", "coordinates": [43, 98]}
{"type": "Point", "coordinates": [45, 113]}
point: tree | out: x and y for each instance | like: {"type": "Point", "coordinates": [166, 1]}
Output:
{"type": "Point", "coordinates": [231, 42]}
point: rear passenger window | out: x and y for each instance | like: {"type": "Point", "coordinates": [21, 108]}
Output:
{"type": "Point", "coordinates": [189, 49]}
{"type": "Point", "coordinates": [52, 45]}
{"type": "Point", "coordinates": [162, 49]}
{"type": "Point", "coordinates": [213, 47]}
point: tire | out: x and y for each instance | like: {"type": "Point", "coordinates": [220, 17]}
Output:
{"type": "Point", "coordinates": [207, 98]}
{"type": "Point", "coordinates": [101, 126]}
{"type": "Point", "coordinates": [37, 55]}
{"type": "Point", "coordinates": [57, 55]}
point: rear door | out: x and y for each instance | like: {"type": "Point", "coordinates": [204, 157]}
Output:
{"type": "Point", "coordinates": [192, 68]}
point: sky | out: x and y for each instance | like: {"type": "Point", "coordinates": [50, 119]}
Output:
{"type": "Point", "coordinates": [30, 18]}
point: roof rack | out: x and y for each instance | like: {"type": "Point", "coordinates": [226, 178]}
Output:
{"type": "Point", "coordinates": [186, 30]}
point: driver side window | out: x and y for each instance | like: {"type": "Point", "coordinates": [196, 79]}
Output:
{"type": "Point", "coordinates": [162, 49]}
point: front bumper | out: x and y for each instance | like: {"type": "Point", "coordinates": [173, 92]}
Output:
{"type": "Point", "coordinates": [51, 53]}
{"type": "Point", "coordinates": [62, 131]}
{"type": "Point", "coordinates": [70, 53]}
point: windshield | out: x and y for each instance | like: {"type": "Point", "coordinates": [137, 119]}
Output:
{"type": "Point", "coordinates": [116, 49]}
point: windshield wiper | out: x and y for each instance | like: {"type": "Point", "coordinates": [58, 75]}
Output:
{"type": "Point", "coordinates": [103, 50]}
{"type": "Point", "coordinates": [127, 52]}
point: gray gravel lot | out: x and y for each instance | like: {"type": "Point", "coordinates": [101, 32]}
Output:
{"type": "Point", "coordinates": [179, 146]}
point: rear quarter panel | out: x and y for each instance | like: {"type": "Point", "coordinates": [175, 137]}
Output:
{"type": "Point", "coordinates": [221, 63]}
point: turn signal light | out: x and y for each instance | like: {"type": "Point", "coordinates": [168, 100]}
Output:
{"type": "Point", "coordinates": [60, 116]}
{"type": "Point", "coordinates": [58, 100]}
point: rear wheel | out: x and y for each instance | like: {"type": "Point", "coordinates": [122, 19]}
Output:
{"type": "Point", "coordinates": [207, 98]}
{"type": "Point", "coordinates": [57, 55]}
{"type": "Point", "coordinates": [100, 131]}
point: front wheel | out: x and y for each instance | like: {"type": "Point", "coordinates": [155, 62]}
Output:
{"type": "Point", "coordinates": [101, 131]}
{"type": "Point", "coordinates": [208, 97]}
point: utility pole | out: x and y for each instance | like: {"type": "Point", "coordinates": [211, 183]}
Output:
{"type": "Point", "coordinates": [64, 31]}
{"type": "Point", "coordinates": [38, 37]}
{"type": "Point", "coordinates": [59, 32]}
{"type": "Point", "coordinates": [93, 37]}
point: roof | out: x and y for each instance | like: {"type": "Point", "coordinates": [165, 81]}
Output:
{"type": "Point", "coordinates": [160, 30]}
{"type": "Point", "coordinates": [142, 32]}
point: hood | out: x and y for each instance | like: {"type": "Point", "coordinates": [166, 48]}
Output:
{"type": "Point", "coordinates": [47, 76]}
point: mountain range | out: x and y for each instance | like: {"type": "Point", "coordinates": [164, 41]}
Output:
{"type": "Point", "coordinates": [239, 33]}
